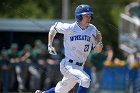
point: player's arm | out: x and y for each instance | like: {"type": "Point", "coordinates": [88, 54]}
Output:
{"type": "Point", "coordinates": [98, 41]}
{"type": "Point", "coordinates": [51, 36]}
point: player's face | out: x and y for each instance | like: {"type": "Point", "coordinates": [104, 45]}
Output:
{"type": "Point", "coordinates": [85, 20]}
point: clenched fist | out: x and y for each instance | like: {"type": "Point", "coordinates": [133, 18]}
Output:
{"type": "Point", "coordinates": [51, 50]}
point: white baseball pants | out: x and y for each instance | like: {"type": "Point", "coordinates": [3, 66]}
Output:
{"type": "Point", "coordinates": [72, 74]}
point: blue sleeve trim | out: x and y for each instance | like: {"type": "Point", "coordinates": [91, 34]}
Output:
{"type": "Point", "coordinates": [55, 26]}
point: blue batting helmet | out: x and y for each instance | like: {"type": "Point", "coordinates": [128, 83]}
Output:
{"type": "Point", "coordinates": [81, 10]}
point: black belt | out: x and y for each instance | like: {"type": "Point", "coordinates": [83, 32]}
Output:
{"type": "Point", "coordinates": [77, 63]}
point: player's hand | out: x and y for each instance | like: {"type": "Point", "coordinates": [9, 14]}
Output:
{"type": "Point", "coordinates": [98, 47]}
{"type": "Point", "coordinates": [99, 44]}
{"type": "Point", "coordinates": [51, 50]}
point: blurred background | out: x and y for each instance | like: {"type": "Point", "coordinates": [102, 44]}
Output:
{"type": "Point", "coordinates": [25, 64]}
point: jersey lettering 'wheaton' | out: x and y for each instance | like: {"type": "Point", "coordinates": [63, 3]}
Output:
{"type": "Point", "coordinates": [80, 37]}
{"type": "Point", "coordinates": [77, 46]}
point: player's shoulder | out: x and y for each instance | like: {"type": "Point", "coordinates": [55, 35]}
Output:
{"type": "Point", "coordinates": [65, 25]}
{"type": "Point", "coordinates": [92, 27]}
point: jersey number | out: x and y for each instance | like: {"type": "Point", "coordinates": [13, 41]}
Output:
{"type": "Point", "coordinates": [86, 48]}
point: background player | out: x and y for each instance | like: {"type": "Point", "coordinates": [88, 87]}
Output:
{"type": "Point", "coordinates": [79, 38]}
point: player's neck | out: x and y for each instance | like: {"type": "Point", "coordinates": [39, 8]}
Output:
{"type": "Point", "coordinates": [82, 26]}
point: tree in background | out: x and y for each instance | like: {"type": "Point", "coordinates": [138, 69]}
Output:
{"type": "Point", "coordinates": [106, 15]}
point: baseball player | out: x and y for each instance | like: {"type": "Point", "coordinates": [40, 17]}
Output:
{"type": "Point", "coordinates": [79, 38]}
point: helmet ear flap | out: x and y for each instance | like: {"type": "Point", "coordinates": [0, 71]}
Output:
{"type": "Point", "coordinates": [78, 18]}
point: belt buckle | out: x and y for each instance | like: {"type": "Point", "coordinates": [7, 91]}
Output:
{"type": "Point", "coordinates": [71, 61]}
{"type": "Point", "coordinates": [79, 64]}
